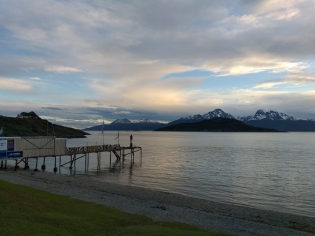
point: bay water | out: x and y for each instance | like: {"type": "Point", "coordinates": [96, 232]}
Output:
{"type": "Point", "coordinates": [271, 171]}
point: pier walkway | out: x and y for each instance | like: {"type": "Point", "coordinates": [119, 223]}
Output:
{"type": "Point", "coordinates": [23, 149]}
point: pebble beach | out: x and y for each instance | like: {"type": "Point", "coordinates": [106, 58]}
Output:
{"type": "Point", "coordinates": [163, 206]}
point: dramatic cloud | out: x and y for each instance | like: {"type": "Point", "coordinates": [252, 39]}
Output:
{"type": "Point", "coordinates": [14, 84]}
{"type": "Point", "coordinates": [294, 78]}
{"type": "Point", "coordinates": [163, 58]}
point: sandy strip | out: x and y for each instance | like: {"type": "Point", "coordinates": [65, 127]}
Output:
{"type": "Point", "coordinates": [164, 206]}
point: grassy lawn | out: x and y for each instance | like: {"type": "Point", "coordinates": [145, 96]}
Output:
{"type": "Point", "coordinates": [27, 211]}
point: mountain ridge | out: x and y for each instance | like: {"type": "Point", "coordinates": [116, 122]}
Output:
{"type": "Point", "coordinates": [195, 118]}
{"type": "Point", "coordinates": [30, 124]}
{"type": "Point", "coordinates": [216, 124]}
{"type": "Point", "coordinates": [265, 119]}
{"type": "Point", "coordinates": [269, 115]}
{"type": "Point", "coordinates": [126, 124]}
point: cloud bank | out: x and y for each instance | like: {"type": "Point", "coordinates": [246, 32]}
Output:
{"type": "Point", "coordinates": [167, 58]}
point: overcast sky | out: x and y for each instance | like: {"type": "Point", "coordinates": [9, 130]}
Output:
{"type": "Point", "coordinates": [76, 62]}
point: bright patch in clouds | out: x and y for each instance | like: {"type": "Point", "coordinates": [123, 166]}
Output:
{"type": "Point", "coordinates": [14, 84]}
{"type": "Point", "coordinates": [61, 69]}
{"type": "Point", "coordinates": [297, 79]}
{"type": "Point", "coordinates": [253, 65]}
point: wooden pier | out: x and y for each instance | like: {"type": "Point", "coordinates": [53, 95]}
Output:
{"type": "Point", "coordinates": [56, 148]}
{"type": "Point", "coordinates": [119, 152]}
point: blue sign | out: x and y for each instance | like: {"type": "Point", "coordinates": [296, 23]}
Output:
{"type": "Point", "coordinates": [3, 147]}
{"type": "Point", "coordinates": [15, 154]}
{"type": "Point", "coordinates": [3, 154]}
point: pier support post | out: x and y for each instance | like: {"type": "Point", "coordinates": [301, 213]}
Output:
{"type": "Point", "coordinates": [55, 168]}
{"type": "Point", "coordinates": [98, 160]}
{"type": "Point", "coordinates": [25, 164]}
{"type": "Point", "coordinates": [131, 155]}
{"type": "Point", "coordinates": [88, 161]}
{"type": "Point", "coordinates": [1, 164]}
{"type": "Point", "coordinates": [71, 161]}
{"type": "Point", "coordinates": [36, 164]}
{"type": "Point", "coordinates": [16, 165]}
{"type": "Point", "coordinates": [74, 160]}
{"type": "Point", "coordinates": [85, 163]}
{"type": "Point", "coordinates": [44, 166]}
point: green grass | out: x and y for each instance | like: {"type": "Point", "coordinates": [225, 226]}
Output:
{"type": "Point", "coordinates": [27, 211]}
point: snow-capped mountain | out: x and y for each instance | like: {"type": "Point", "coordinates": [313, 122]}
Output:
{"type": "Point", "coordinates": [194, 117]}
{"type": "Point", "coordinates": [121, 121]}
{"type": "Point", "coordinates": [126, 124]}
{"type": "Point", "coordinates": [198, 117]}
{"type": "Point", "coordinates": [265, 119]}
{"type": "Point", "coordinates": [217, 113]}
{"type": "Point", "coordinates": [268, 115]}
{"type": "Point", "coordinates": [279, 121]}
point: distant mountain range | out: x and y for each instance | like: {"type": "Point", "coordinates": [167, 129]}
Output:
{"type": "Point", "coordinates": [264, 119]}
{"type": "Point", "coordinates": [198, 117]}
{"type": "Point", "coordinates": [215, 124]}
{"type": "Point", "coordinates": [259, 115]}
{"type": "Point", "coordinates": [269, 115]}
{"type": "Point", "coordinates": [125, 124]}
{"type": "Point", "coordinates": [278, 120]}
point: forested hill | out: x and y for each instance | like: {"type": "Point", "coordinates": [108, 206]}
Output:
{"type": "Point", "coordinates": [30, 124]}
{"type": "Point", "coordinates": [215, 125]}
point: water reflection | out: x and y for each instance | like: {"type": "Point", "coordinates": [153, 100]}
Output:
{"type": "Point", "coordinates": [115, 167]}
{"type": "Point", "coordinates": [269, 171]}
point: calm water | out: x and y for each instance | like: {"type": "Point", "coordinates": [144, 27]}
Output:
{"type": "Point", "coordinates": [273, 171]}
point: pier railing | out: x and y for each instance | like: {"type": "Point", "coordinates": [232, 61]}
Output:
{"type": "Point", "coordinates": [90, 149]}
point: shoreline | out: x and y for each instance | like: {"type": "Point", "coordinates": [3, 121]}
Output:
{"type": "Point", "coordinates": [164, 206]}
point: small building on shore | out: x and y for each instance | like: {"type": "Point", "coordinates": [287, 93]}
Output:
{"type": "Point", "coordinates": [34, 146]}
